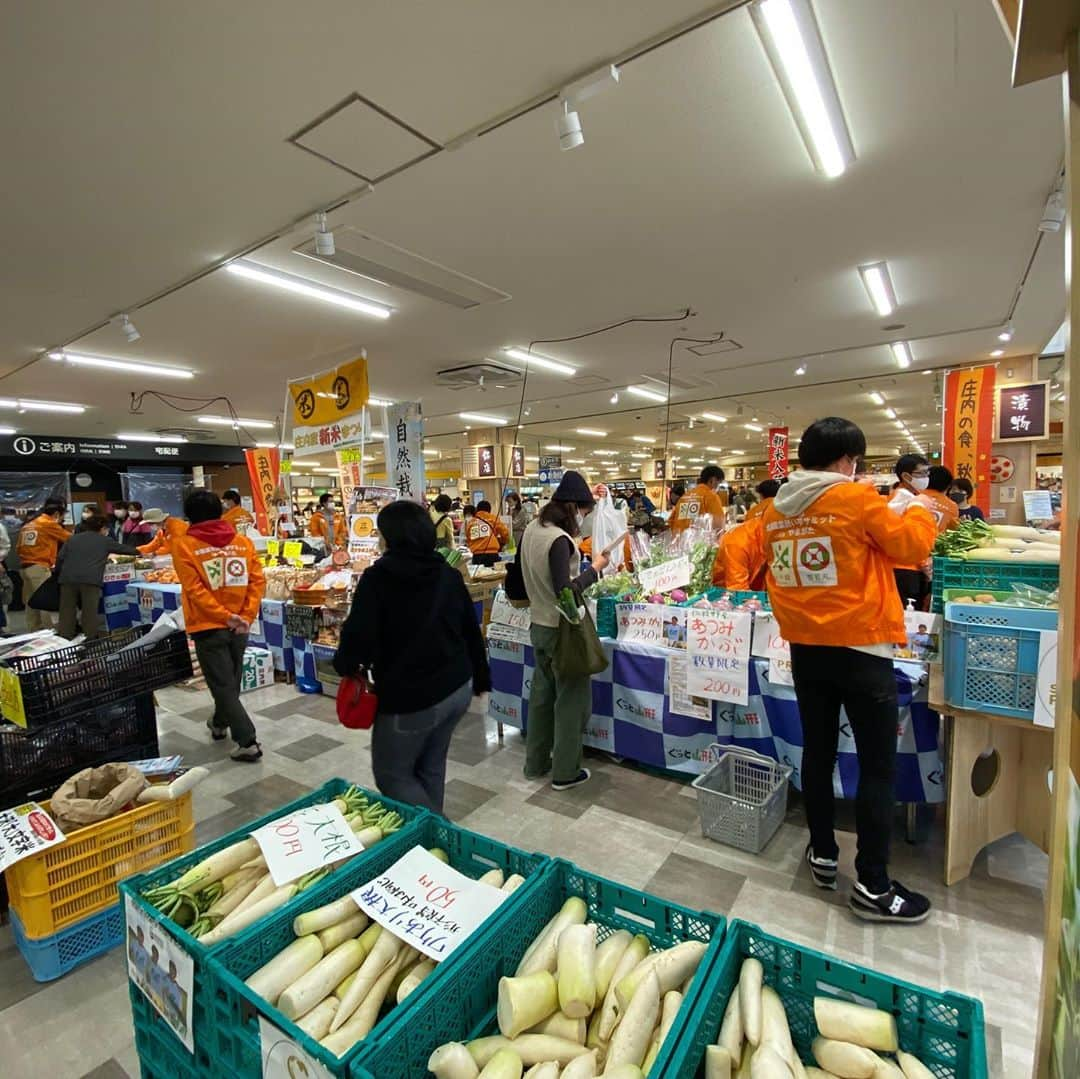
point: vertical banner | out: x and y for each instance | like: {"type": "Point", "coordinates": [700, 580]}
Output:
{"type": "Point", "coordinates": [967, 433]}
{"type": "Point", "coordinates": [264, 468]}
{"type": "Point", "coordinates": [517, 461]}
{"type": "Point", "coordinates": [404, 449]}
{"type": "Point", "coordinates": [350, 472]}
{"type": "Point", "coordinates": [778, 452]}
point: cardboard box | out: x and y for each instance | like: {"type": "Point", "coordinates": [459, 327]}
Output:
{"type": "Point", "coordinates": [258, 670]}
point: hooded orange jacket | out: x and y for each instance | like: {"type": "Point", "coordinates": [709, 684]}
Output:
{"type": "Point", "coordinates": [219, 572]}
{"type": "Point", "coordinates": [161, 544]}
{"type": "Point", "coordinates": [238, 517]}
{"type": "Point", "coordinates": [830, 575]}
{"type": "Point", "coordinates": [697, 501]}
{"type": "Point", "coordinates": [319, 527]}
{"type": "Point", "coordinates": [485, 533]}
{"type": "Point", "coordinates": [39, 541]}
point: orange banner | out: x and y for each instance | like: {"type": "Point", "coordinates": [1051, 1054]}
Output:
{"type": "Point", "coordinates": [967, 433]}
{"type": "Point", "coordinates": [264, 467]}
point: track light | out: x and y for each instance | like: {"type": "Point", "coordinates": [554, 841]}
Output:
{"type": "Point", "coordinates": [1007, 333]}
{"type": "Point", "coordinates": [1054, 213]}
{"type": "Point", "coordinates": [801, 369]}
{"type": "Point", "coordinates": [614, 399]}
{"type": "Point", "coordinates": [324, 236]}
{"type": "Point", "coordinates": [568, 125]}
{"type": "Point", "coordinates": [128, 327]}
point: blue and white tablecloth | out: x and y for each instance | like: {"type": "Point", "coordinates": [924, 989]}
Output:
{"type": "Point", "coordinates": [632, 718]}
{"type": "Point", "coordinates": [147, 602]}
{"type": "Point", "coordinates": [270, 633]}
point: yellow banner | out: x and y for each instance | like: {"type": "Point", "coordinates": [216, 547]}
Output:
{"type": "Point", "coordinates": [330, 396]}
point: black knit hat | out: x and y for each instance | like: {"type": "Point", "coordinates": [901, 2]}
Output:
{"type": "Point", "coordinates": [573, 488]}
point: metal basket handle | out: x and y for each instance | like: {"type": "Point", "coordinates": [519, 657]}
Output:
{"type": "Point", "coordinates": [745, 751]}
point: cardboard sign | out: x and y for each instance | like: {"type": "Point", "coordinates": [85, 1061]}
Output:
{"type": "Point", "coordinates": [680, 703]}
{"type": "Point", "coordinates": [25, 830]}
{"type": "Point", "coordinates": [503, 614]}
{"type": "Point", "coordinates": [293, 549]}
{"type": "Point", "coordinates": [427, 904]}
{"type": "Point", "coordinates": [310, 838]}
{"type": "Point", "coordinates": [719, 647]}
{"type": "Point", "coordinates": [282, 1058]}
{"type": "Point", "coordinates": [11, 698]}
{"type": "Point", "coordinates": [161, 970]}
{"type": "Point", "coordinates": [1046, 683]}
{"type": "Point", "coordinates": [666, 576]}
{"type": "Point", "coordinates": [652, 623]}
{"type": "Point", "coordinates": [273, 548]}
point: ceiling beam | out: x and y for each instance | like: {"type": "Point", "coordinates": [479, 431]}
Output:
{"type": "Point", "coordinates": [1043, 30]}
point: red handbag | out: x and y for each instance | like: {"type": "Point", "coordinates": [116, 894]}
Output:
{"type": "Point", "coordinates": [356, 704]}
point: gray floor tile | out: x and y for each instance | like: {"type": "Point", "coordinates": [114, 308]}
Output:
{"type": "Point", "coordinates": [574, 802]}
{"type": "Point", "coordinates": [16, 981]}
{"type": "Point", "coordinates": [694, 885]}
{"type": "Point", "coordinates": [462, 798]}
{"type": "Point", "coordinates": [650, 799]}
{"type": "Point", "coordinates": [266, 794]}
{"type": "Point", "coordinates": [308, 747]}
{"type": "Point", "coordinates": [194, 750]}
{"type": "Point", "coordinates": [314, 705]}
{"type": "Point", "coordinates": [111, 1069]}
{"type": "Point", "coordinates": [470, 743]}
{"type": "Point", "coordinates": [222, 823]}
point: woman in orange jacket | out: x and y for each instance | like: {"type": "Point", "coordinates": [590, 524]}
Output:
{"type": "Point", "coordinates": [831, 545]}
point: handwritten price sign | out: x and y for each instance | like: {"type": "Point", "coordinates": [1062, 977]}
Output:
{"type": "Point", "coordinates": [309, 839]}
{"type": "Point", "coordinates": [666, 576]}
{"type": "Point", "coordinates": [426, 903]}
{"type": "Point", "coordinates": [652, 623]}
{"type": "Point", "coordinates": [718, 644]}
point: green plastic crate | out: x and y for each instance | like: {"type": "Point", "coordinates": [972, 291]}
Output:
{"type": "Point", "coordinates": [607, 624]}
{"type": "Point", "coordinates": [978, 576]}
{"type": "Point", "coordinates": [203, 986]}
{"type": "Point", "coordinates": [460, 1005]}
{"type": "Point", "coordinates": [736, 597]}
{"type": "Point", "coordinates": [161, 1054]}
{"type": "Point", "coordinates": [944, 1030]}
{"type": "Point", "coordinates": [235, 1008]}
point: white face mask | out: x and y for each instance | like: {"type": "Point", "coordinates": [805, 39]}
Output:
{"type": "Point", "coordinates": [920, 483]}
{"type": "Point", "coordinates": [134, 515]}
{"type": "Point", "coordinates": [87, 514]}
{"type": "Point", "coordinates": [580, 519]}
{"type": "Point", "coordinates": [119, 514]}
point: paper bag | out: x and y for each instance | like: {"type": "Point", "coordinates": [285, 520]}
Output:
{"type": "Point", "coordinates": [96, 794]}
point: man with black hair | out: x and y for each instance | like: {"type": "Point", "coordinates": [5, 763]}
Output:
{"type": "Point", "coordinates": [327, 524]}
{"type": "Point", "coordinates": [233, 511]}
{"type": "Point", "coordinates": [913, 479]}
{"type": "Point", "coordinates": [485, 535]}
{"type": "Point", "coordinates": [831, 545]}
{"type": "Point", "coordinates": [39, 542]}
{"type": "Point", "coordinates": [944, 509]}
{"type": "Point", "coordinates": [700, 500]}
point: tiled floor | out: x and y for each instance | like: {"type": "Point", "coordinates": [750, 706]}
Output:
{"type": "Point", "coordinates": [983, 938]}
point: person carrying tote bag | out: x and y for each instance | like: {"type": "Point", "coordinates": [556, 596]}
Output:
{"type": "Point", "coordinates": [560, 701]}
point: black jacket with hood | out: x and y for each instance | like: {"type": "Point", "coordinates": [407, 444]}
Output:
{"type": "Point", "coordinates": [413, 626]}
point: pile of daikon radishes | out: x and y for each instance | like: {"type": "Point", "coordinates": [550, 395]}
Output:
{"type": "Point", "coordinates": [576, 1009]}
{"type": "Point", "coordinates": [755, 1040]}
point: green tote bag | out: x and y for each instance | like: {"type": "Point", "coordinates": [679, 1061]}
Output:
{"type": "Point", "coordinates": [578, 651]}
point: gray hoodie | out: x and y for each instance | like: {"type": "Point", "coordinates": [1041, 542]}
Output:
{"type": "Point", "coordinates": [803, 489]}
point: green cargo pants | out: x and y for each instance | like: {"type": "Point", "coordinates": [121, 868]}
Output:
{"type": "Point", "coordinates": [559, 709]}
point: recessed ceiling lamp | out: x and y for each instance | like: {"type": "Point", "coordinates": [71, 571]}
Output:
{"type": "Point", "coordinates": [546, 363]}
{"type": "Point", "coordinates": [302, 287]}
{"type": "Point", "coordinates": [590, 431]}
{"type": "Point", "coordinates": [891, 413]}
{"type": "Point", "coordinates": [557, 448]}
{"type": "Point", "coordinates": [879, 287]}
{"type": "Point", "coordinates": [228, 421]}
{"type": "Point", "coordinates": [642, 438]}
{"type": "Point", "coordinates": [22, 405]}
{"type": "Point", "coordinates": [649, 395]}
{"type": "Point", "coordinates": [801, 369]}
{"type": "Point", "coordinates": [378, 402]}
{"type": "Point", "coordinates": [714, 417]}
{"type": "Point", "coordinates": [127, 436]}
{"type": "Point", "coordinates": [790, 34]}
{"type": "Point", "coordinates": [128, 327]}
{"type": "Point", "coordinates": [753, 427]}
{"type": "Point", "coordinates": [877, 398]}
{"type": "Point", "coordinates": [997, 352]}
{"type": "Point", "coordinates": [480, 417]}
{"type": "Point", "coordinates": [77, 359]}
{"type": "Point", "coordinates": [613, 399]}
{"type": "Point", "coordinates": [324, 236]}
{"type": "Point", "coordinates": [901, 353]}
{"type": "Point", "coordinates": [1007, 333]}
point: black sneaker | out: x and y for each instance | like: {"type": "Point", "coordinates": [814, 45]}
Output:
{"type": "Point", "coordinates": [247, 754]}
{"type": "Point", "coordinates": [565, 784]}
{"type": "Point", "coordinates": [895, 905]}
{"type": "Point", "coordinates": [219, 734]}
{"type": "Point", "coordinates": [823, 870]}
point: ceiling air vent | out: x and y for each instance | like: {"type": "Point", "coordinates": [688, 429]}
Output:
{"type": "Point", "coordinates": [190, 434]}
{"type": "Point", "coordinates": [713, 348]}
{"type": "Point", "coordinates": [481, 376]}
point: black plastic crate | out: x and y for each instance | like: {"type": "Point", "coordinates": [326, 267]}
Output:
{"type": "Point", "coordinates": [40, 759]}
{"type": "Point", "coordinates": [72, 681]}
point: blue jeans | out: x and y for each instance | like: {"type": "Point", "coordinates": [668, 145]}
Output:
{"type": "Point", "coordinates": [408, 750]}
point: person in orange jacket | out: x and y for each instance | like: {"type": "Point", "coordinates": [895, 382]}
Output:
{"type": "Point", "coordinates": [39, 542]}
{"type": "Point", "coordinates": [485, 535]}
{"type": "Point", "coordinates": [325, 521]}
{"type": "Point", "coordinates": [831, 545]}
{"type": "Point", "coordinates": [160, 545]}
{"type": "Point", "coordinates": [945, 511]}
{"type": "Point", "coordinates": [739, 566]}
{"type": "Point", "coordinates": [233, 511]}
{"type": "Point", "coordinates": [700, 500]}
{"type": "Point", "coordinates": [222, 587]}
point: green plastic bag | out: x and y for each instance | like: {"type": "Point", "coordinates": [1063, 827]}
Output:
{"type": "Point", "coordinates": [578, 651]}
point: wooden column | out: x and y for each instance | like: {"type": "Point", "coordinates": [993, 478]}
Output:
{"type": "Point", "coordinates": [1015, 371]}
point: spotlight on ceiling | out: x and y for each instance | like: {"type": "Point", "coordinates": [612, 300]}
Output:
{"type": "Point", "coordinates": [324, 236]}
{"type": "Point", "coordinates": [568, 125]}
{"type": "Point", "coordinates": [801, 369]}
{"type": "Point", "coordinates": [128, 327]}
{"type": "Point", "coordinates": [614, 399]}
{"type": "Point", "coordinates": [1007, 333]}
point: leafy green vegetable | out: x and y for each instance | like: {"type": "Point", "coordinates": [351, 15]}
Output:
{"type": "Point", "coordinates": [568, 606]}
{"type": "Point", "coordinates": [965, 536]}
{"type": "Point", "coordinates": [702, 556]}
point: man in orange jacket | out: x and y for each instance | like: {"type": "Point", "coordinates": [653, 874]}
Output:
{"type": "Point", "coordinates": [831, 545]}
{"type": "Point", "coordinates": [326, 522]}
{"type": "Point", "coordinates": [485, 535]}
{"type": "Point", "coordinates": [39, 542]}
{"type": "Point", "coordinates": [700, 500]}
{"type": "Point", "coordinates": [222, 583]}
{"type": "Point", "coordinates": [233, 511]}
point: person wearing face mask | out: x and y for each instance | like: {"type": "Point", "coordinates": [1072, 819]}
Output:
{"type": "Point", "coordinates": [90, 513]}
{"type": "Point", "coordinates": [700, 500]}
{"type": "Point", "coordinates": [116, 520]}
{"type": "Point", "coordinates": [913, 476]}
{"type": "Point", "coordinates": [944, 508]}
{"type": "Point", "coordinates": [962, 493]}
{"type": "Point", "coordinates": [559, 707]}
{"type": "Point", "coordinates": [136, 531]}
{"type": "Point", "coordinates": [830, 546]}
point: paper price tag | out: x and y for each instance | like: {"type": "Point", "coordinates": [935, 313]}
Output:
{"type": "Point", "coordinates": [25, 830]}
{"type": "Point", "coordinates": [719, 651]}
{"type": "Point", "coordinates": [273, 547]}
{"type": "Point", "coordinates": [503, 614]}
{"type": "Point", "coordinates": [666, 576]}
{"type": "Point", "coordinates": [293, 549]}
{"type": "Point", "coordinates": [426, 903]}
{"type": "Point", "coordinates": [311, 838]}
{"type": "Point", "coordinates": [282, 1058]}
{"type": "Point", "coordinates": [651, 623]}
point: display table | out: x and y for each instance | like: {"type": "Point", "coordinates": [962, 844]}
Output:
{"type": "Point", "coordinates": [998, 781]}
{"type": "Point", "coordinates": [269, 633]}
{"type": "Point", "coordinates": [147, 602]}
{"type": "Point", "coordinates": [632, 717]}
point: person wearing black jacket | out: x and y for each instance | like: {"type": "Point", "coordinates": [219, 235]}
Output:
{"type": "Point", "coordinates": [81, 565]}
{"type": "Point", "coordinates": [413, 628]}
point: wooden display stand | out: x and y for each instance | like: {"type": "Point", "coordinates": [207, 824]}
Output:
{"type": "Point", "coordinates": [1009, 761]}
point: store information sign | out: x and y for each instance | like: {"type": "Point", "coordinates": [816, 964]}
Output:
{"type": "Point", "coordinates": [404, 443]}
{"type": "Point", "coordinates": [666, 576]}
{"type": "Point", "coordinates": [680, 703]}
{"type": "Point", "coordinates": [26, 830]}
{"type": "Point", "coordinates": [309, 839]}
{"type": "Point", "coordinates": [485, 462]}
{"type": "Point", "coordinates": [550, 470]}
{"type": "Point", "coordinates": [427, 903]}
{"type": "Point", "coordinates": [282, 1058]}
{"type": "Point", "coordinates": [719, 652]}
{"type": "Point", "coordinates": [1046, 682]}
{"type": "Point", "coordinates": [1022, 412]}
{"type": "Point", "coordinates": [161, 970]}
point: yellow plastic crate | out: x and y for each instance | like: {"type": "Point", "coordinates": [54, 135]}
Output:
{"type": "Point", "coordinates": [66, 883]}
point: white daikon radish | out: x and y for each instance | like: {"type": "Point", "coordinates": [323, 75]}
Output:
{"type": "Point", "coordinates": [452, 1061]}
{"type": "Point", "coordinates": [169, 792]}
{"type": "Point", "coordinates": [672, 966]}
{"type": "Point", "coordinates": [541, 954]}
{"type": "Point", "coordinates": [505, 1064]}
{"type": "Point", "coordinates": [345, 930]}
{"type": "Point", "coordinates": [583, 1067]}
{"type": "Point", "coordinates": [747, 1060]}
{"type": "Point", "coordinates": [548, 1070]}
{"type": "Point", "coordinates": [844, 1059]}
{"type": "Point", "coordinates": [291, 963]}
{"type": "Point", "coordinates": [1039, 554]}
{"type": "Point", "coordinates": [593, 1039]}
{"type": "Point", "coordinates": [625, 1071]}
{"type": "Point", "coordinates": [316, 1024]}
{"type": "Point", "coordinates": [236, 895]}
{"type": "Point", "coordinates": [717, 1062]}
{"type": "Point", "coordinates": [383, 953]}
{"type": "Point", "coordinates": [494, 877]}
{"type": "Point", "coordinates": [844, 1022]}
{"type": "Point", "coordinates": [1015, 532]}
{"type": "Point", "coordinates": [525, 1001]}
{"type": "Point", "coordinates": [798, 1068]}
{"type": "Point", "coordinates": [411, 982]}
{"type": "Point", "coordinates": [319, 982]}
{"type": "Point", "coordinates": [367, 941]}
{"type": "Point", "coordinates": [731, 1032]}
{"type": "Point", "coordinates": [532, 1048]}
{"type": "Point", "coordinates": [576, 964]}
{"type": "Point", "coordinates": [669, 1008]}
{"type": "Point", "coordinates": [886, 1069]}
{"type": "Point", "coordinates": [340, 1040]}
{"type": "Point", "coordinates": [264, 888]}
{"type": "Point", "coordinates": [817, 1073]}
{"type": "Point", "coordinates": [750, 979]}
{"type": "Point", "coordinates": [608, 953]}
{"type": "Point", "coordinates": [913, 1067]}
{"type": "Point", "coordinates": [636, 952]}
{"type": "Point", "coordinates": [244, 916]}
{"type": "Point", "coordinates": [315, 921]}
{"type": "Point", "coordinates": [774, 1024]}
{"type": "Point", "coordinates": [513, 882]}
{"type": "Point", "coordinates": [562, 1026]}
{"type": "Point", "coordinates": [630, 1042]}
{"type": "Point", "coordinates": [769, 1064]}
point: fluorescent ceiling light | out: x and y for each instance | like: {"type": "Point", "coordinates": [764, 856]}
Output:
{"type": "Point", "coordinates": [714, 417]}
{"type": "Point", "coordinates": [558, 448]}
{"type": "Point", "coordinates": [891, 413]}
{"type": "Point", "coordinates": [739, 452]}
{"type": "Point", "coordinates": [575, 460]}
{"type": "Point", "coordinates": [275, 445]}
{"type": "Point", "coordinates": [683, 445]}
{"type": "Point", "coordinates": [753, 427]}
{"type": "Point", "coordinates": [899, 424]}
{"type": "Point", "coordinates": [715, 449]}
{"type": "Point", "coordinates": [479, 417]}
{"type": "Point", "coordinates": [431, 453]}
{"type": "Point", "coordinates": [22, 405]}
{"type": "Point", "coordinates": [641, 438]}
{"type": "Point", "coordinates": [590, 431]}
{"type": "Point", "coordinates": [901, 353]}
{"type": "Point", "coordinates": [640, 456]}
{"type": "Point", "coordinates": [997, 352]}
{"type": "Point", "coordinates": [78, 359]}
{"type": "Point", "coordinates": [606, 453]}
{"type": "Point", "coordinates": [302, 287]}
{"type": "Point", "coordinates": [793, 42]}
{"type": "Point", "coordinates": [879, 287]}
{"type": "Point", "coordinates": [378, 402]}
{"type": "Point", "coordinates": [649, 395]}
{"type": "Point", "coordinates": [228, 421]}
{"type": "Point", "coordinates": [7, 430]}
{"type": "Point", "coordinates": [877, 398]}
{"type": "Point", "coordinates": [126, 436]}
{"type": "Point", "coordinates": [545, 363]}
